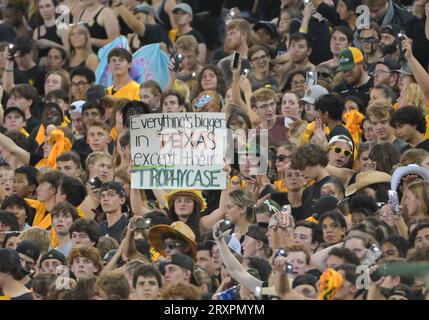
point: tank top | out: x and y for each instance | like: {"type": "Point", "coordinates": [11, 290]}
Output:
{"type": "Point", "coordinates": [164, 17]}
{"type": "Point", "coordinates": [95, 30]}
{"type": "Point", "coordinates": [51, 34]}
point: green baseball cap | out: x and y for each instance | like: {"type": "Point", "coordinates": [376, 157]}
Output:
{"type": "Point", "coordinates": [348, 58]}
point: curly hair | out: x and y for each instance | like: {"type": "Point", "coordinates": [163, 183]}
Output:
{"type": "Point", "coordinates": [182, 290]}
{"type": "Point", "coordinates": [309, 155]}
{"type": "Point", "coordinates": [221, 85]}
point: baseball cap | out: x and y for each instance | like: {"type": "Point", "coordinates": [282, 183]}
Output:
{"type": "Point", "coordinates": [10, 261]}
{"type": "Point", "coordinates": [145, 8]}
{"type": "Point", "coordinates": [341, 138]}
{"type": "Point", "coordinates": [183, 261]}
{"type": "Point", "coordinates": [14, 109]}
{"type": "Point", "coordinates": [77, 106]}
{"type": "Point", "coordinates": [257, 232]}
{"type": "Point", "coordinates": [184, 7]}
{"type": "Point", "coordinates": [391, 64]}
{"type": "Point", "coordinates": [348, 58]}
{"type": "Point", "coordinates": [113, 185]}
{"type": "Point", "coordinates": [324, 204]}
{"type": "Point", "coordinates": [314, 93]}
{"type": "Point", "coordinates": [392, 29]}
{"type": "Point", "coordinates": [305, 279]}
{"type": "Point", "coordinates": [405, 69]}
{"type": "Point", "coordinates": [29, 249]}
{"type": "Point", "coordinates": [95, 92]}
{"type": "Point", "coordinates": [54, 254]}
{"type": "Point", "coordinates": [403, 291]}
{"type": "Point", "coordinates": [266, 25]}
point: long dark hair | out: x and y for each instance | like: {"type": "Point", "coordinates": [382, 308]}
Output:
{"type": "Point", "coordinates": [221, 85]}
{"type": "Point", "coordinates": [193, 221]}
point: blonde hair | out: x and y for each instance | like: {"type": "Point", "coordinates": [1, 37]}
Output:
{"type": "Point", "coordinates": [95, 156]}
{"type": "Point", "coordinates": [188, 43]}
{"type": "Point", "coordinates": [39, 236]}
{"type": "Point", "coordinates": [415, 97]}
{"type": "Point", "coordinates": [87, 50]}
{"type": "Point", "coordinates": [244, 199]}
{"type": "Point", "coordinates": [418, 10]}
{"type": "Point", "coordinates": [420, 190]}
{"type": "Point", "coordinates": [413, 156]}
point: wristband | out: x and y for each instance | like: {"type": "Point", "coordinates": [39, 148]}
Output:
{"type": "Point", "coordinates": [8, 70]}
{"type": "Point", "coordinates": [303, 30]}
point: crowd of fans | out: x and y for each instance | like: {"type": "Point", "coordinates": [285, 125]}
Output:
{"type": "Point", "coordinates": [342, 92]}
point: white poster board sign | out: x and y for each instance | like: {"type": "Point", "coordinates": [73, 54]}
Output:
{"type": "Point", "coordinates": [178, 151]}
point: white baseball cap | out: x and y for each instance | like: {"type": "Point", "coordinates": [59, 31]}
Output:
{"type": "Point", "coordinates": [314, 93]}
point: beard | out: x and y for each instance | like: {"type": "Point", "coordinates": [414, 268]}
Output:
{"type": "Point", "coordinates": [388, 49]}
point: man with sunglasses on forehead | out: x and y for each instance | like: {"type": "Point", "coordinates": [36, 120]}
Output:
{"type": "Point", "coordinates": [340, 151]}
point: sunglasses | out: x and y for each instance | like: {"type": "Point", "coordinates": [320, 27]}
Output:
{"type": "Point", "coordinates": [339, 150]}
{"type": "Point", "coordinates": [282, 157]}
{"type": "Point", "coordinates": [172, 245]}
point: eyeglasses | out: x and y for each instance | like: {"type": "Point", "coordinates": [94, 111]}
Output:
{"type": "Point", "coordinates": [339, 150]}
{"type": "Point", "coordinates": [282, 157]}
{"type": "Point", "coordinates": [381, 72]}
{"type": "Point", "coordinates": [172, 245]}
{"type": "Point", "coordinates": [297, 83]}
{"type": "Point", "coordinates": [79, 84]}
{"type": "Point", "coordinates": [256, 59]}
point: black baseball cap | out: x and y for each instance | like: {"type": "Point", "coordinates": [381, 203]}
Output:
{"type": "Point", "coordinates": [392, 29]}
{"type": "Point", "coordinates": [29, 248]}
{"type": "Point", "coordinates": [324, 204]}
{"type": "Point", "coordinates": [183, 261]}
{"type": "Point", "coordinates": [113, 185]}
{"type": "Point", "coordinates": [391, 64]}
{"type": "Point", "coordinates": [257, 232]}
{"type": "Point", "coordinates": [270, 27]}
{"type": "Point", "coordinates": [14, 109]}
{"type": "Point", "coordinates": [95, 93]}
{"type": "Point", "coordinates": [54, 254]}
{"type": "Point", "coordinates": [10, 261]}
{"type": "Point", "coordinates": [305, 279]}
{"type": "Point", "coordinates": [403, 291]}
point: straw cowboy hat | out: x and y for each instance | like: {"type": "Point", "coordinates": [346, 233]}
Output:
{"type": "Point", "coordinates": [367, 178]}
{"type": "Point", "coordinates": [178, 229]}
{"type": "Point", "coordinates": [196, 195]}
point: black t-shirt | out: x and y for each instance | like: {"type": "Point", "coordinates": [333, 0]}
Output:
{"type": "Point", "coordinates": [312, 193]}
{"type": "Point", "coordinates": [35, 158]}
{"type": "Point", "coordinates": [34, 77]}
{"type": "Point", "coordinates": [114, 231]}
{"type": "Point", "coordinates": [423, 145]}
{"type": "Point", "coordinates": [25, 296]}
{"type": "Point", "coordinates": [7, 33]}
{"type": "Point", "coordinates": [31, 123]}
{"type": "Point", "coordinates": [155, 34]}
{"type": "Point", "coordinates": [362, 92]}
{"type": "Point", "coordinates": [196, 34]}
{"type": "Point", "coordinates": [298, 213]}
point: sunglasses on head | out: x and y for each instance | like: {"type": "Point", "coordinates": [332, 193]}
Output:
{"type": "Point", "coordinates": [172, 245]}
{"type": "Point", "coordinates": [282, 157]}
{"type": "Point", "coordinates": [339, 150]}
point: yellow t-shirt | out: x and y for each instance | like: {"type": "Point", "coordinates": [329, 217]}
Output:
{"type": "Point", "coordinates": [130, 91]}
